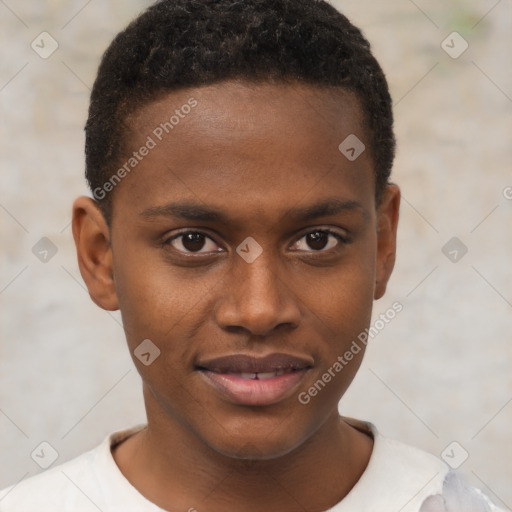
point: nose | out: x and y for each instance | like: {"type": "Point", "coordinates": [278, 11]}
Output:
{"type": "Point", "coordinates": [258, 298]}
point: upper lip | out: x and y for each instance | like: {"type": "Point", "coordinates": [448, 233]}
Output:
{"type": "Point", "coordinates": [242, 363]}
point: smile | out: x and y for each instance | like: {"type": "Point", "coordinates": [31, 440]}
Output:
{"type": "Point", "coordinates": [247, 380]}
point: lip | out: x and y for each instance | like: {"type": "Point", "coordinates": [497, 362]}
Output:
{"type": "Point", "coordinates": [255, 392]}
{"type": "Point", "coordinates": [243, 363]}
{"type": "Point", "coordinates": [225, 375]}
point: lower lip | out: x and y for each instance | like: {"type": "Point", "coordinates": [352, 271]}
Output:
{"type": "Point", "coordinates": [255, 391]}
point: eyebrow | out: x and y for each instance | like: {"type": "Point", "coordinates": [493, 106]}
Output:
{"type": "Point", "coordinates": [198, 212]}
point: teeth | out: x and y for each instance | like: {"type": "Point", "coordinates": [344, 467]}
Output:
{"type": "Point", "coordinates": [261, 376]}
{"type": "Point", "coordinates": [248, 375]}
{"type": "Point", "coordinates": [267, 375]}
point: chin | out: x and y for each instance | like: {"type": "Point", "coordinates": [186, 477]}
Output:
{"type": "Point", "coordinates": [249, 450]}
{"type": "Point", "coordinates": [255, 443]}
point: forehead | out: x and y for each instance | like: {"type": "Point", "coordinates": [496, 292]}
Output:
{"type": "Point", "coordinates": [241, 109]}
{"type": "Point", "coordinates": [241, 143]}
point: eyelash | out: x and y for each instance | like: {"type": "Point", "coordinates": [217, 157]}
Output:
{"type": "Point", "coordinates": [341, 238]}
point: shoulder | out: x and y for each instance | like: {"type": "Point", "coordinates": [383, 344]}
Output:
{"type": "Point", "coordinates": [399, 476]}
{"type": "Point", "coordinates": [77, 485]}
{"type": "Point", "coordinates": [402, 477]}
{"type": "Point", "coordinates": [73, 483]}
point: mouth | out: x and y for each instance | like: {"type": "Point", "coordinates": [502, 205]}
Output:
{"type": "Point", "coordinates": [247, 380]}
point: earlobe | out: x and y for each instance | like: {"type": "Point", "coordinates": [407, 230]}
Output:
{"type": "Point", "coordinates": [92, 241]}
{"type": "Point", "coordinates": [387, 223]}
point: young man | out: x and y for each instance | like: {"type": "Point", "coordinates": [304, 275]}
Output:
{"type": "Point", "coordinates": [242, 221]}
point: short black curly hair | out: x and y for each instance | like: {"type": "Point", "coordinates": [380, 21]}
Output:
{"type": "Point", "coordinates": [176, 44]}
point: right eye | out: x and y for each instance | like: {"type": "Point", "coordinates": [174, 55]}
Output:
{"type": "Point", "coordinates": [190, 242]}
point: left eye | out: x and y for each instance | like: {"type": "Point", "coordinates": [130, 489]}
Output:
{"type": "Point", "coordinates": [319, 240]}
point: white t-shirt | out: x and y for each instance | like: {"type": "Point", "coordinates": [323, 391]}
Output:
{"type": "Point", "coordinates": [398, 478]}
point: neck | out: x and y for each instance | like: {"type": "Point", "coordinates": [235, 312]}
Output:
{"type": "Point", "coordinates": [175, 470]}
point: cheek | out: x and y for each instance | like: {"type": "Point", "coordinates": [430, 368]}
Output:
{"type": "Point", "coordinates": [156, 300]}
{"type": "Point", "coordinates": [343, 297]}
{"type": "Point", "coordinates": [159, 305]}
{"type": "Point", "coordinates": [341, 317]}
{"type": "Point", "coordinates": [341, 311]}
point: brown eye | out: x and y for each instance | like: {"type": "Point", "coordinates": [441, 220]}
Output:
{"type": "Point", "coordinates": [320, 240]}
{"type": "Point", "coordinates": [317, 240]}
{"type": "Point", "coordinates": [192, 242]}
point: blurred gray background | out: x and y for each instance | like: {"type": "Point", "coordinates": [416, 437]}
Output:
{"type": "Point", "coordinates": [439, 373]}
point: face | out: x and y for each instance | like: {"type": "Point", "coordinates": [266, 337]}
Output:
{"type": "Point", "coordinates": [243, 231]}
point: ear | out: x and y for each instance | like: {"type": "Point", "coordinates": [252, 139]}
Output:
{"type": "Point", "coordinates": [92, 241]}
{"type": "Point", "coordinates": [387, 223]}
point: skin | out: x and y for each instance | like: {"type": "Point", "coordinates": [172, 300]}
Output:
{"type": "Point", "coordinates": [254, 152]}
